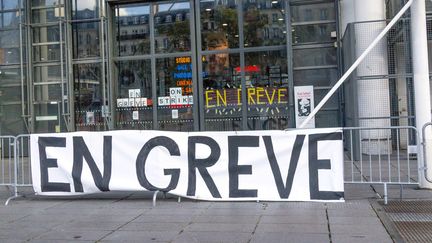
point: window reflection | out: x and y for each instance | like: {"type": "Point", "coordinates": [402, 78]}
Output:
{"type": "Point", "coordinates": [172, 36]}
{"type": "Point", "coordinates": [314, 57]}
{"type": "Point", "coordinates": [46, 3]}
{"type": "Point", "coordinates": [49, 15]}
{"type": "Point", "coordinates": [313, 33]}
{"type": "Point", "coordinates": [9, 19]}
{"type": "Point", "coordinates": [316, 77]}
{"type": "Point", "coordinates": [46, 34]}
{"type": "Point", "coordinates": [219, 25]}
{"type": "Point", "coordinates": [313, 12]}
{"type": "Point", "coordinates": [88, 97]}
{"type": "Point", "coordinates": [87, 9]}
{"type": "Point", "coordinates": [222, 92]}
{"type": "Point", "coordinates": [44, 53]}
{"type": "Point", "coordinates": [133, 30]}
{"type": "Point", "coordinates": [86, 39]}
{"type": "Point", "coordinates": [175, 94]}
{"type": "Point", "coordinates": [134, 104]}
{"type": "Point", "coordinates": [267, 90]}
{"type": "Point", "coordinates": [264, 23]}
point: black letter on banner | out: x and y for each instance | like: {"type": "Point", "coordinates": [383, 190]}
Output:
{"type": "Point", "coordinates": [173, 149]}
{"type": "Point", "coordinates": [284, 190]}
{"type": "Point", "coordinates": [234, 170]}
{"type": "Point", "coordinates": [46, 163]}
{"type": "Point", "coordinates": [81, 151]}
{"type": "Point", "coordinates": [315, 164]}
{"type": "Point", "coordinates": [202, 164]}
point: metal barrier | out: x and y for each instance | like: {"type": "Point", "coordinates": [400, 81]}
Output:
{"type": "Point", "coordinates": [7, 159]}
{"type": "Point", "coordinates": [425, 144]}
{"type": "Point", "coordinates": [382, 156]}
{"type": "Point", "coordinates": [373, 156]}
{"type": "Point", "coordinates": [21, 165]}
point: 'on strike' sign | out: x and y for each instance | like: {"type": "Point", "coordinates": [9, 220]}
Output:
{"type": "Point", "coordinates": [299, 165]}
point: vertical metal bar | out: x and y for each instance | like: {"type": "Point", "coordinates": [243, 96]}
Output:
{"type": "Point", "coordinates": [200, 85]}
{"type": "Point", "coordinates": [62, 112]}
{"type": "Point", "coordinates": [15, 168]}
{"type": "Point", "coordinates": [408, 157]}
{"type": "Point", "coordinates": [398, 154]}
{"type": "Point", "coordinates": [388, 153]}
{"type": "Point", "coordinates": [21, 46]}
{"type": "Point", "coordinates": [9, 157]}
{"type": "Point", "coordinates": [110, 38]}
{"type": "Point", "coordinates": [27, 138]}
{"type": "Point", "coordinates": [361, 155]}
{"type": "Point", "coordinates": [352, 155]}
{"type": "Point", "coordinates": [102, 39]}
{"type": "Point", "coordinates": [30, 82]}
{"type": "Point", "coordinates": [242, 65]}
{"type": "Point", "coordinates": [2, 161]}
{"type": "Point", "coordinates": [153, 67]}
{"type": "Point", "coordinates": [290, 64]}
{"type": "Point", "coordinates": [370, 157]}
{"type": "Point", "coordinates": [379, 154]}
{"type": "Point", "coordinates": [196, 73]}
{"type": "Point", "coordinates": [69, 67]}
{"type": "Point", "coordinates": [23, 174]}
{"type": "Point", "coordinates": [385, 194]}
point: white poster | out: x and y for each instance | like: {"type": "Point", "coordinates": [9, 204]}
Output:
{"type": "Point", "coordinates": [304, 104]}
{"type": "Point", "coordinates": [135, 115]}
{"type": "Point", "coordinates": [90, 118]}
{"type": "Point", "coordinates": [301, 165]}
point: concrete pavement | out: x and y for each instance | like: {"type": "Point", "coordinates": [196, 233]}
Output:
{"type": "Point", "coordinates": [130, 217]}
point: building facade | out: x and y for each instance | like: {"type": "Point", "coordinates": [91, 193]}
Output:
{"type": "Point", "coordinates": [197, 65]}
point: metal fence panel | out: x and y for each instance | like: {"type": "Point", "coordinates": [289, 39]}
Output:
{"type": "Point", "coordinates": [23, 161]}
{"type": "Point", "coordinates": [383, 160]}
{"type": "Point", "coordinates": [7, 160]}
{"type": "Point", "coordinates": [369, 159]}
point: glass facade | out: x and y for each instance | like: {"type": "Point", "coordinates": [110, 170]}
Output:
{"type": "Point", "coordinates": [198, 65]}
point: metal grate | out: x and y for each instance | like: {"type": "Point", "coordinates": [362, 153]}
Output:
{"type": "Point", "coordinates": [412, 219]}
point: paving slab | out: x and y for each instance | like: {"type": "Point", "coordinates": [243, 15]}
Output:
{"type": "Point", "coordinates": [141, 236]}
{"type": "Point", "coordinates": [293, 219]}
{"type": "Point", "coordinates": [360, 238]}
{"type": "Point", "coordinates": [198, 237]}
{"type": "Point", "coordinates": [293, 228]}
{"type": "Point", "coordinates": [221, 227]}
{"type": "Point", "coordinates": [72, 235]}
{"type": "Point", "coordinates": [151, 226]}
{"type": "Point", "coordinates": [289, 237]}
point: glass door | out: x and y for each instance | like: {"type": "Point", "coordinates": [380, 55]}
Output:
{"type": "Point", "coordinates": [154, 66]}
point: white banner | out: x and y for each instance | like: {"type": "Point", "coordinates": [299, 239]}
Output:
{"type": "Point", "coordinates": [304, 105]}
{"type": "Point", "coordinates": [300, 165]}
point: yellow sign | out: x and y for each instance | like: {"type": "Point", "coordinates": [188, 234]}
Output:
{"type": "Point", "coordinates": [255, 96]}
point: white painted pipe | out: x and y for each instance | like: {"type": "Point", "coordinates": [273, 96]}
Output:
{"type": "Point", "coordinates": [421, 80]}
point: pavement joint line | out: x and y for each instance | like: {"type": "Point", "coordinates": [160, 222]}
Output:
{"type": "Point", "coordinates": [328, 223]}
{"type": "Point", "coordinates": [191, 221]}
{"type": "Point", "coordinates": [123, 198]}
{"type": "Point", "coordinates": [386, 222]}
{"type": "Point", "coordinates": [121, 226]}
{"type": "Point", "coordinates": [265, 205]}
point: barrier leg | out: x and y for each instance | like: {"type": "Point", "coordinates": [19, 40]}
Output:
{"type": "Point", "coordinates": [385, 194]}
{"type": "Point", "coordinates": [11, 198]}
{"type": "Point", "coordinates": [400, 192]}
{"type": "Point", "coordinates": [15, 195]}
{"type": "Point", "coordinates": [154, 198]}
{"type": "Point", "coordinates": [179, 200]}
